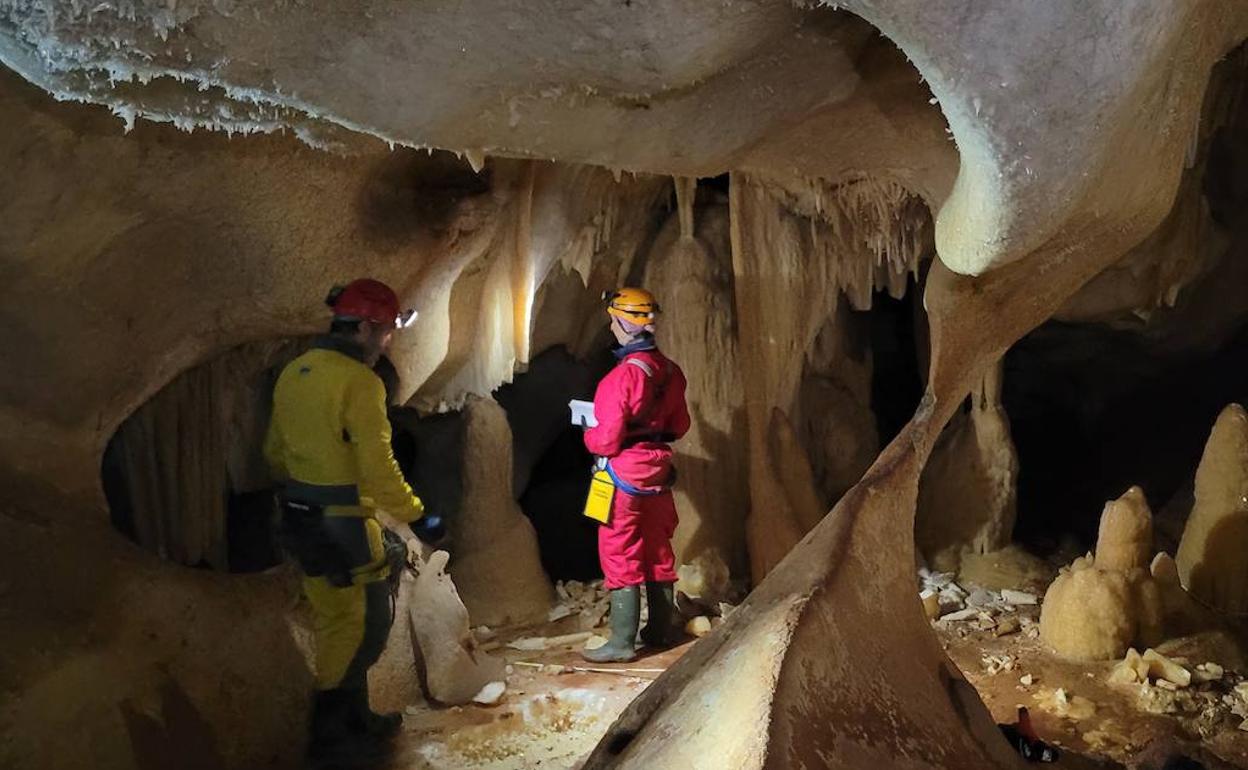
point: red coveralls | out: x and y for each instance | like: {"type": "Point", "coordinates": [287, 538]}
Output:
{"type": "Point", "coordinates": [637, 407]}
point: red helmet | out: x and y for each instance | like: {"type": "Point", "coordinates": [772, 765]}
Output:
{"type": "Point", "coordinates": [365, 299]}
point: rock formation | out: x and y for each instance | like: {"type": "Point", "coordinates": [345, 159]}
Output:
{"type": "Point", "coordinates": [439, 640]}
{"type": "Point", "coordinates": [690, 270]}
{"type": "Point", "coordinates": [1104, 603]}
{"type": "Point", "coordinates": [1211, 559]}
{"type": "Point", "coordinates": [968, 491]}
{"type": "Point", "coordinates": [496, 567]}
{"type": "Point", "coordinates": [132, 258]}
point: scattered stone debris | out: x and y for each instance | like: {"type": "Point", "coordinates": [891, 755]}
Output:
{"type": "Point", "coordinates": [705, 580]}
{"type": "Point", "coordinates": [1007, 625]}
{"type": "Point", "coordinates": [931, 603]}
{"type": "Point", "coordinates": [1060, 703]}
{"type": "Point", "coordinates": [1019, 598]}
{"type": "Point", "coordinates": [1152, 665]}
{"type": "Point", "coordinates": [958, 615]}
{"type": "Point", "coordinates": [995, 664]}
{"type": "Point", "coordinates": [588, 601]}
{"type": "Point", "coordinates": [531, 643]}
{"type": "Point", "coordinates": [699, 626]}
{"type": "Point", "coordinates": [490, 694]}
{"type": "Point", "coordinates": [483, 634]}
{"type": "Point", "coordinates": [1163, 669]}
{"type": "Point", "coordinates": [1207, 672]}
{"type": "Point", "coordinates": [1027, 680]}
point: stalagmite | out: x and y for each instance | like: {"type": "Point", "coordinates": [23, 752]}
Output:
{"type": "Point", "coordinates": [968, 492]}
{"type": "Point", "coordinates": [1125, 538]}
{"type": "Point", "coordinates": [791, 270]}
{"type": "Point", "coordinates": [833, 418]}
{"type": "Point", "coordinates": [792, 469]}
{"type": "Point", "coordinates": [1211, 557]}
{"type": "Point", "coordinates": [1100, 605]}
{"type": "Point", "coordinates": [692, 279]}
{"type": "Point", "coordinates": [496, 567]}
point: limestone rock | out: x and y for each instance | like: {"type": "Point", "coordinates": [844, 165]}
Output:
{"type": "Point", "coordinates": [1086, 614]}
{"type": "Point", "coordinates": [1018, 598]}
{"type": "Point", "coordinates": [496, 567]}
{"type": "Point", "coordinates": [454, 670]}
{"type": "Point", "coordinates": [791, 465]}
{"type": "Point", "coordinates": [1161, 667]}
{"type": "Point", "coordinates": [1125, 539]}
{"type": "Point", "coordinates": [705, 579]}
{"type": "Point", "coordinates": [931, 604]}
{"type": "Point", "coordinates": [1211, 559]}
{"type": "Point", "coordinates": [968, 492]}
{"type": "Point", "coordinates": [490, 694]}
{"type": "Point", "coordinates": [699, 626]}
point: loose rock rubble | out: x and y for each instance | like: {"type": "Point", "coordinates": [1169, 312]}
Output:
{"type": "Point", "coordinates": [946, 602]}
{"type": "Point", "coordinates": [1207, 693]}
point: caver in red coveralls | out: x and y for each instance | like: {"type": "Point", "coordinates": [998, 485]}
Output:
{"type": "Point", "coordinates": [640, 408]}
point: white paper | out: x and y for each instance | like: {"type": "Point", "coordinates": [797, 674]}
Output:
{"type": "Point", "coordinates": [582, 413]}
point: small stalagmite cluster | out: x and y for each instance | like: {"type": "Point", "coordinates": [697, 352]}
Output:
{"type": "Point", "coordinates": [1105, 602]}
{"type": "Point", "coordinates": [1119, 598]}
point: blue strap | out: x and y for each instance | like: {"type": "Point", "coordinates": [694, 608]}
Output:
{"type": "Point", "coordinates": [629, 489]}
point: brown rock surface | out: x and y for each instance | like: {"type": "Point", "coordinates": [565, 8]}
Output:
{"type": "Point", "coordinates": [1211, 562]}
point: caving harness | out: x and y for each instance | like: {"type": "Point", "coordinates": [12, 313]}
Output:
{"type": "Point", "coordinates": [605, 481]}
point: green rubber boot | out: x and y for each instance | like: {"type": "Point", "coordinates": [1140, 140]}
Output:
{"type": "Point", "coordinates": [329, 733]}
{"type": "Point", "coordinates": [625, 615]}
{"type": "Point", "coordinates": [363, 720]}
{"type": "Point", "coordinates": [659, 632]}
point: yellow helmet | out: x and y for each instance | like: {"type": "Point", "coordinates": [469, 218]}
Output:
{"type": "Point", "coordinates": [630, 304]}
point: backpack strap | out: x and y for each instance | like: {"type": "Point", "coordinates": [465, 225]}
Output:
{"type": "Point", "coordinates": [660, 388]}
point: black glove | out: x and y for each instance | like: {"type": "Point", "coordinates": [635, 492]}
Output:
{"type": "Point", "coordinates": [430, 529]}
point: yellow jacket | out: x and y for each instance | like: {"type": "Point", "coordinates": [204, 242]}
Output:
{"type": "Point", "coordinates": [329, 429]}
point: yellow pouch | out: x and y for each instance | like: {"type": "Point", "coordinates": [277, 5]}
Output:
{"type": "Point", "coordinates": [601, 493]}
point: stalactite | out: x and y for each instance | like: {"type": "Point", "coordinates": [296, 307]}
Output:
{"type": "Point", "coordinates": [686, 188]}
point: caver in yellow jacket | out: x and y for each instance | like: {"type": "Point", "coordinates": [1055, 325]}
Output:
{"type": "Point", "coordinates": [329, 444]}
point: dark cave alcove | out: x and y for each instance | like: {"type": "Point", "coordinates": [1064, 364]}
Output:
{"type": "Point", "coordinates": [551, 467]}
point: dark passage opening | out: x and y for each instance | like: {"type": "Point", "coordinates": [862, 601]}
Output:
{"type": "Point", "coordinates": [896, 382]}
{"type": "Point", "coordinates": [1094, 411]}
{"type": "Point", "coordinates": [551, 465]}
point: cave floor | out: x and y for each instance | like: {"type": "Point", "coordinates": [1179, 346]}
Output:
{"type": "Point", "coordinates": [551, 716]}
{"type": "Point", "coordinates": [1135, 726]}
{"type": "Point", "coordinates": [554, 711]}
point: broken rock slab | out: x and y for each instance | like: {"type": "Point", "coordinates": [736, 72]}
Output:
{"type": "Point", "coordinates": [454, 670]}
{"type": "Point", "coordinates": [705, 580]}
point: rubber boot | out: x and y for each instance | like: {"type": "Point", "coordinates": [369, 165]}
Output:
{"type": "Point", "coordinates": [364, 721]}
{"type": "Point", "coordinates": [625, 615]}
{"type": "Point", "coordinates": [330, 731]}
{"type": "Point", "coordinates": [658, 631]}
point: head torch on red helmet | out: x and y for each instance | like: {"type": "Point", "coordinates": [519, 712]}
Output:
{"type": "Point", "coordinates": [368, 300]}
